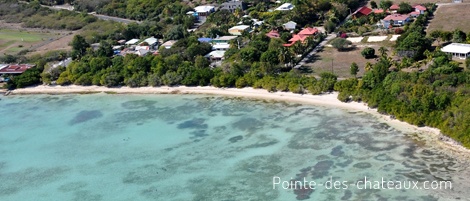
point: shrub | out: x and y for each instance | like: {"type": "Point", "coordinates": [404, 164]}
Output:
{"type": "Point", "coordinates": [399, 31]}
{"type": "Point", "coordinates": [368, 52]}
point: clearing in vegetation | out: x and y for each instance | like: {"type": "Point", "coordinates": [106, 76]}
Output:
{"type": "Point", "coordinates": [451, 17]}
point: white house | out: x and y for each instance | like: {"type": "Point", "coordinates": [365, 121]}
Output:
{"type": "Point", "coordinates": [204, 10]}
{"type": "Point", "coordinates": [132, 41]}
{"type": "Point", "coordinates": [238, 30]}
{"type": "Point", "coordinates": [290, 25]}
{"type": "Point", "coordinates": [169, 44]}
{"type": "Point", "coordinates": [152, 41]}
{"type": "Point", "coordinates": [215, 55]}
{"type": "Point", "coordinates": [221, 46]}
{"type": "Point", "coordinates": [457, 50]}
{"type": "Point", "coordinates": [285, 7]}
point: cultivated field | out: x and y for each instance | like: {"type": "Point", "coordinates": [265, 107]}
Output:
{"type": "Point", "coordinates": [341, 61]}
{"type": "Point", "coordinates": [450, 17]}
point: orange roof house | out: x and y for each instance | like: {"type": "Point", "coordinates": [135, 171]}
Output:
{"type": "Point", "coordinates": [273, 34]}
{"type": "Point", "coordinates": [308, 31]}
{"type": "Point", "coordinates": [295, 38]}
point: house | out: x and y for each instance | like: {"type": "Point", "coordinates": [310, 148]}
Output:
{"type": "Point", "coordinates": [362, 11]}
{"type": "Point", "coordinates": [420, 9]}
{"type": "Point", "coordinates": [394, 8]}
{"type": "Point", "coordinates": [221, 46]}
{"type": "Point", "coordinates": [215, 55]}
{"type": "Point", "coordinates": [152, 41]}
{"type": "Point", "coordinates": [290, 25]}
{"type": "Point", "coordinates": [132, 41]}
{"type": "Point", "coordinates": [379, 11]}
{"type": "Point", "coordinates": [63, 63]}
{"type": "Point", "coordinates": [169, 44]}
{"type": "Point", "coordinates": [204, 10]}
{"type": "Point", "coordinates": [395, 20]}
{"type": "Point", "coordinates": [223, 39]}
{"type": "Point", "coordinates": [309, 31]}
{"type": "Point", "coordinates": [142, 52]}
{"type": "Point", "coordinates": [457, 50]}
{"type": "Point", "coordinates": [285, 7]}
{"type": "Point", "coordinates": [238, 30]}
{"type": "Point", "coordinates": [458, 1]}
{"type": "Point", "coordinates": [233, 5]}
{"type": "Point", "coordinates": [414, 14]}
{"type": "Point", "coordinates": [295, 38]}
{"type": "Point", "coordinates": [273, 34]}
{"type": "Point", "coordinates": [15, 68]}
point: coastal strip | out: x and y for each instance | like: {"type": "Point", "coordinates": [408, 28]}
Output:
{"type": "Point", "coordinates": [431, 135]}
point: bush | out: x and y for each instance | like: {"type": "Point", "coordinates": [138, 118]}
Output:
{"type": "Point", "coordinates": [399, 31]}
{"type": "Point", "coordinates": [368, 52]}
{"type": "Point", "coordinates": [340, 43]}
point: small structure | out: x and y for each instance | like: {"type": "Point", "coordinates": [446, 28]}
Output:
{"type": "Point", "coordinates": [169, 44]}
{"type": "Point", "coordinates": [223, 39]}
{"type": "Point", "coordinates": [457, 1]}
{"type": "Point", "coordinates": [204, 40]}
{"type": "Point", "coordinates": [273, 34]}
{"type": "Point", "coordinates": [152, 41]}
{"type": "Point", "coordinates": [215, 55]}
{"type": "Point", "coordinates": [395, 20]}
{"type": "Point", "coordinates": [233, 5]}
{"type": "Point", "coordinates": [394, 8]}
{"type": "Point", "coordinates": [285, 7]}
{"type": "Point", "coordinates": [204, 10]}
{"type": "Point", "coordinates": [295, 38]}
{"type": "Point", "coordinates": [290, 25]}
{"type": "Point", "coordinates": [238, 30]}
{"type": "Point", "coordinates": [15, 68]}
{"type": "Point", "coordinates": [309, 31]}
{"type": "Point", "coordinates": [121, 42]}
{"type": "Point", "coordinates": [63, 63]}
{"type": "Point", "coordinates": [142, 52]}
{"type": "Point", "coordinates": [132, 41]}
{"type": "Point", "coordinates": [420, 9]}
{"type": "Point", "coordinates": [362, 11]}
{"type": "Point", "coordinates": [457, 50]}
{"type": "Point", "coordinates": [379, 11]}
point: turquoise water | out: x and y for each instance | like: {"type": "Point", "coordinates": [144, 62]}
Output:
{"type": "Point", "coordinates": [192, 147]}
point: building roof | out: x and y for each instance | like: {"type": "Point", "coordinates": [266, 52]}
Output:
{"type": "Point", "coordinates": [204, 40]}
{"type": "Point", "coordinates": [396, 17]}
{"type": "Point", "coordinates": [221, 46]}
{"type": "Point", "coordinates": [151, 40]}
{"type": "Point", "coordinates": [273, 34]}
{"type": "Point", "coordinates": [15, 68]}
{"type": "Point", "coordinates": [394, 7]}
{"type": "Point", "coordinates": [414, 13]}
{"type": "Point", "coordinates": [363, 10]}
{"type": "Point", "coordinates": [297, 37]}
{"type": "Point", "coordinates": [457, 48]}
{"type": "Point", "coordinates": [420, 7]}
{"type": "Point", "coordinates": [204, 9]}
{"type": "Point", "coordinates": [290, 24]}
{"type": "Point", "coordinates": [285, 6]}
{"type": "Point", "coordinates": [169, 43]}
{"type": "Point", "coordinates": [308, 31]}
{"type": "Point", "coordinates": [132, 41]}
{"type": "Point", "coordinates": [227, 38]}
{"type": "Point", "coordinates": [216, 54]}
{"type": "Point", "coordinates": [239, 27]}
{"type": "Point", "coordinates": [379, 11]}
{"type": "Point", "coordinates": [142, 52]}
{"type": "Point", "coordinates": [2, 66]}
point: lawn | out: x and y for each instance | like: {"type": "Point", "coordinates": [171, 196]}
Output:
{"type": "Point", "coordinates": [450, 17]}
{"type": "Point", "coordinates": [340, 61]}
{"type": "Point", "coordinates": [12, 41]}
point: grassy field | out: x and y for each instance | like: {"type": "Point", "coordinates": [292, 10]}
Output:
{"type": "Point", "coordinates": [341, 61]}
{"type": "Point", "coordinates": [13, 41]}
{"type": "Point", "coordinates": [451, 17]}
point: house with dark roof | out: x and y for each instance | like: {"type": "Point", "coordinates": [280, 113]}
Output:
{"type": "Point", "coordinates": [395, 20]}
{"type": "Point", "coordinates": [233, 5]}
{"type": "Point", "coordinates": [362, 11]}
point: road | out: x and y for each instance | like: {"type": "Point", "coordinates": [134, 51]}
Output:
{"type": "Point", "coordinates": [315, 50]}
{"type": "Point", "coordinates": [102, 17]}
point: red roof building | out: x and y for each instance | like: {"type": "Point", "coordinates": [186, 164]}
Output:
{"type": "Point", "coordinates": [309, 31]}
{"type": "Point", "coordinates": [394, 7]}
{"type": "Point", "coordinates": [419, 7]}
{"type": "Point", "coordinates": [273, 34]}
{"type": "Point", "coordinates": [15, 68]}
{"type": "Point", "coordinates": [362, 11]}
{"type": "Point", "coordinates": [295, 38]}
{"type": "Point", "coordinates": [378, 11]}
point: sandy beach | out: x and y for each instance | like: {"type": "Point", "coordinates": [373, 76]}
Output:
{"type": "Point", "coordinates": [431, 135]}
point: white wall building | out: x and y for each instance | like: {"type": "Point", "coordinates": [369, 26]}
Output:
{"type": "Point", "coordinates": [457, 50]}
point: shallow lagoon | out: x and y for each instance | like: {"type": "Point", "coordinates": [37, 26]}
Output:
{"type": "Point", "coordinates": [194, 147]}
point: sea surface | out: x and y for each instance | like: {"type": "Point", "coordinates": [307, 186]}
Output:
{"type": "Point", "coordinates": [194, 147]}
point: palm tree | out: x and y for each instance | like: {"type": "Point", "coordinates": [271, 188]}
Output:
{"type": "Point", "coordinates": [285, 56]}
{"type": "Point", "coordinates": [383, 51]}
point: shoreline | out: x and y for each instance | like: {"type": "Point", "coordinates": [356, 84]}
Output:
{"type": "Point", "coordinates": [432, 136]}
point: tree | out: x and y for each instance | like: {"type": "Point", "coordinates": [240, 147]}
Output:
{"type": "Point", "coordinates": [458, 36]}
{"type": "Point", "coordinates": [436, 35]}
{"type": "Point", "coordinates": [79, 46]}
{"type": "Point", "coordinates": [385, 5]}
{"type": "Point", "coordinates": [201, 62]}
{"type": "Point", "coordinates": [446, 36]}
{"type": "Point", "coordinates": [340, 44]}
{"type": "Point", "coordinates": [368, 66]}
{"type": "Point", "coordinates": [329, 26]}
{"type": "Point", "coordinates": [383, 51]}
{"type": "Point", "coordinates": [373, 4]}
{"type": "Point", "coordinates": [405, 8]}
{"type": "Point", "coordinates": [368, 52]}
{"type": "Point", "coordinates": [354, 69]}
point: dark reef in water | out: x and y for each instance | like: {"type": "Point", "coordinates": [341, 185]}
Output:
{"type": "Point", "coordinates": [86, 115]}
